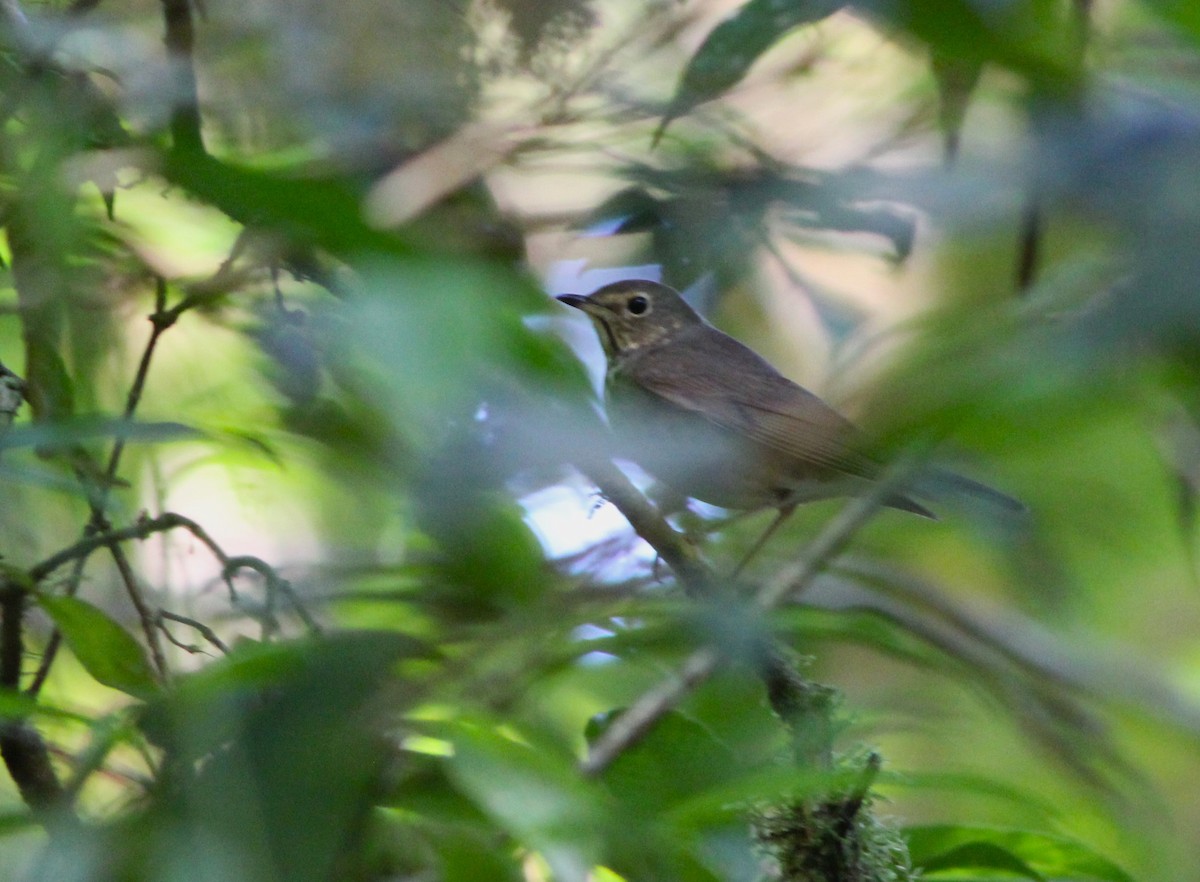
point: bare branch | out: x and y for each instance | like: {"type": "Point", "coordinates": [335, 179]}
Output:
{"type": "Point", "coordinates": [146, 527]}
{"type": "Point", "coordinates": [206, 632]}
{"type": "Point", "coordinates": [98, 502]}
{"type": "Point", "coordinates": [641, 716]}
{"type": "Point", "coordinates": [672, 546]}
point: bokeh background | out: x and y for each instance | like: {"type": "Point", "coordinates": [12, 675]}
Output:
{"type": "Point", "coordinates": [972, 225]}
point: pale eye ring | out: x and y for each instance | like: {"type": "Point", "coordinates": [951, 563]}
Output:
{"type": "Point", "coordinates": [638, 305]}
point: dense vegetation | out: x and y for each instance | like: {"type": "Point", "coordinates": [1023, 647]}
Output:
{"type": "Point", "coordinates": [315, 564]}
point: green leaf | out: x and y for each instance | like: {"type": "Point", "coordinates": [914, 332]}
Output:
{"type": "Point", "coordinates": [1038, 856]}
{"type": "Point", "coordinates": [322, 211]}
{"type": "Point", "coordinates": [78, 431]}
{"type": "Point", "coordinates": [19, 706]}
{"type": "Point", "coordinates": [103, 647]}
{"type": "Point", "coordinates": [297, 730]}
{"type": "Point", "coordinates": [676, 761]}
{"type": "Point", "coordinates": [536, 795]}
{"type": "Point", "coordinates": [16, 822]}
{"type": "Point", "coordinates": [1185, 16]}
{"type": "Point", "coordinates": [733, 46]}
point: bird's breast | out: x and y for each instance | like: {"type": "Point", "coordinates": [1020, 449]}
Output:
{"type": "Point", "coordinates": [691, 454]}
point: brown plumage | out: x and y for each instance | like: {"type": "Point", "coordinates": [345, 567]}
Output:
{"type": "Point", "coordinates": [712, 420]}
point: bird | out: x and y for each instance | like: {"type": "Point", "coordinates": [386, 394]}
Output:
{"type": "Point", "coordinates": [712, 420]}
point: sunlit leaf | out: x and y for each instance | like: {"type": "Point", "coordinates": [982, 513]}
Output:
{"type": "Point", "coordinates": [103, 647]}
{"type": "Point", "coordinates": [317, 210]}
{"type": "Point", "coordinates": [1037, 856]}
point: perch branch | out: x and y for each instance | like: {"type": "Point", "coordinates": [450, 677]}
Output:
{"type": "Point", "coordinates": [632, 725]}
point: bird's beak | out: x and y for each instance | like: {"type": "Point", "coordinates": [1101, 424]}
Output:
{"type": "Point", "coordinates": [575, 300]}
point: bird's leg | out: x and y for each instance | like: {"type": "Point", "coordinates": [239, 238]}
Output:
{"type": "Point", "coordinates": [785, 512]}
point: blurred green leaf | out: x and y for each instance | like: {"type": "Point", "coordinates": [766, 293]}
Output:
{"type": "Point", "coordinates": [1037, 39]}
{"type": "Point", "coordinates": [79, 430]}
{"type": "Point", "coordinates": [469, 856]}
{"type": "Point", "coordinates": [733, 46]}
{"type": "Point", "coordinates": [16, 822]}
{"type": "Point", "coordinates": [309, 209]}
{"type": "Point", "coordinates": [19, 706]}
{"type": "Point", "coordinates": [1182, 14]}
{"type": "Point", "coordinates": [296, 731]}
{"type": "Point", "coordinates": [106, 650]}
{"type": "Point", "coordinates": [946, 848]}
{"type": "Point", "coordinates": [220, 695]}
{"type": "Point", "coordinates": [676, 760]}
{"type": "Point", "coordinates": [534, 794]}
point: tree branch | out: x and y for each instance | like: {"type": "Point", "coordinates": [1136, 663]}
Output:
{"type": "Point", "coordinates": [206, 632]}
{"type": "Point", "coordinates": [24, 751]}
{"type": "Point", "coordinates": [180, 39]}
{"type": "Point", "coordinates": [146, 527]}
{"type": "Point", "coordinates": [632, 725]}
{"type": "Point", "coordinates": [672, 546]}
{"type": "Point", "coordinates": [160, 320]}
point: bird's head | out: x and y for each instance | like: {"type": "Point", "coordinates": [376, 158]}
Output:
{"type": "Point", "coordinates": [634, 314]}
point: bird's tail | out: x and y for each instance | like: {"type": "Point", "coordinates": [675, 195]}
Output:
{"type": "Point", "coordinates": [942, 484]}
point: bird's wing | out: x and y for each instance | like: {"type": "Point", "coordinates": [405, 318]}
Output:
{"type": "Point", "coordinates": [733, 387]}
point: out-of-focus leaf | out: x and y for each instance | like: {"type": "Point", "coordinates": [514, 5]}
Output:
{"type": "Point", "coordinates": [16, 822]}
{"type": "Point", "coordinates": [536, 795]}
{"type": "Point", "coordinates": [956, 80]}
{"type": "Point", "coordinates": [947, 848]}
{"type": "Point", "coordinates": [1185, 16]}
{"type": "Point", "coordinates": [78, 431]}
{"type": "Point", "coordinates": [981, 856]}
{"type": "Point", "coordinates": [104, 648]}
{"type": "Point", "coordinates": [296, 732]}
{"type": "Point", "coordinates": [320, 211]}
{"type": "Point", "coordinates": [1037, 39]}
{"type": "Point", "coordinates": [233, 685]}
{"type": "Point", "coordinates": [20, 706]}
{"type": "Point", "coordinates": [468, 857]}
{"type": "Point", "coordinates": [632, 210]}
{"type": "Point", "coordinates": [676, 760]}
{"type": "Point", "coordinates": [733, 46]}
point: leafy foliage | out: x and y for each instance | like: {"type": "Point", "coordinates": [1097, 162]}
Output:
{"type": "Point", "coordinates": [325, 523]}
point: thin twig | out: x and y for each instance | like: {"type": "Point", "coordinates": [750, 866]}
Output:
{"type": "Point", "coordinates": [160, 320]}
{"type": "Point", "coordinates": [204, 630]}
{"type": "Point", "coordinates": [146, 616]}
{"type": "Point", "coordinates": [134, 396]}
{"type": "Point", "coordinates": [634, 723]}
{"type": "Point", "coordinates": [641, 716]}
{"type": "Point", "coordinates": [146, 527]}
{"type": "Point", "coordinates": [276, 585]}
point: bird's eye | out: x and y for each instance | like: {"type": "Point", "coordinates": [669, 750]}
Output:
{"type": "Point", "coordinates": [638, 305]}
